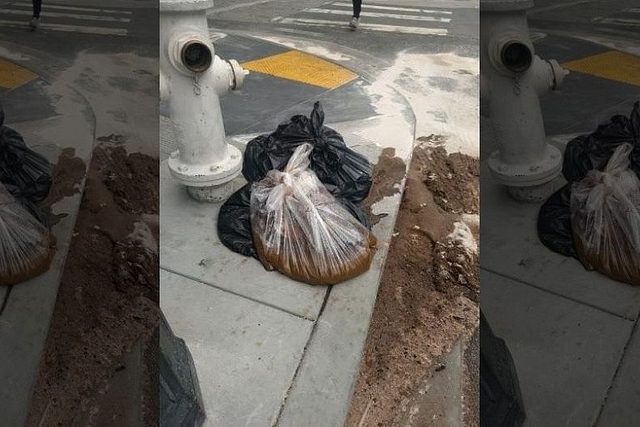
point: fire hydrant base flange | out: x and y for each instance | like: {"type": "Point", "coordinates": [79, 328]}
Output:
{"type": "Point", "coordinates": [528, 182]}
{"type": "Point", "coordinates": [193, 175]}
{"type": "Point", "coordinates": [530, 174]}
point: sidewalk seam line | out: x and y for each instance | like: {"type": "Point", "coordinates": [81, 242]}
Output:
{"type": "Point", "coordinates": [304, 353]}
{"type": "Point", "coordinates": [618, 369]}
{"type": "Point", "coordinates": [239, 295]}
{"type": "Point", "coordinates": [515, 279]}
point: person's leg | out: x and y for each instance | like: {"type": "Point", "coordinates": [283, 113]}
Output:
{"type": "Point", "coordinates": [37, 7]}
{"type": "Point", "coordinates": [357, 6]}
{"type": "Point", "coordinates": [355, 20]}
{"type": "Point", "coordinates": [35, 20]}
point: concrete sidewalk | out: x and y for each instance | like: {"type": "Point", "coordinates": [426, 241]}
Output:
{"type": "Point", "coordinates": [573, 334]}
{"type": "Point", "coordinates": [269, 350]}
{"type": "Point", "coordinates": [43, 111]}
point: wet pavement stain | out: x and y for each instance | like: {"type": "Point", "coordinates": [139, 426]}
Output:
{"type": "Point", "coordinates": [386, 177]}
{"type": "Point", "coordinates": [66, 176]}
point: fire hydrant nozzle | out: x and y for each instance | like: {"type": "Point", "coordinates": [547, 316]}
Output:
{"type": "Point", "coordinates": [238, 74]}
{"type": "Point", "coordinates": [189, 52]}
{"type": "Point", "coordinates": [192, 80]}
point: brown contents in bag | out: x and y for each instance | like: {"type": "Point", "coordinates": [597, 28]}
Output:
{"type": "Point", "coordinates": [605, 218]}
{"type": "Point", "coordinates": [608, 265]}
{"type": "Point", "coordinates": [303, 269]}
{"type": "Point", "coordinates": [35, 268]}
{"type": "Point", "coordinates": [26, 246]}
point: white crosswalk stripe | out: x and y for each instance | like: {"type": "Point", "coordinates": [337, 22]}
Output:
{"type": "Point", "coordinates": [397, 9]}
{"type": "Point", "coordinates": [372, 27]}
{"type": "Point", "coordinates": [78, 9]}
{"type": "Point", "coordinates": [626, 18]}
{"type": "Point", "coordinates": [382, 15]}
{"type": "Point", "coordinates": [70, 15]}
{"type": "Point", "coordinates": [375, 18]}
{"type": "Point", "coordinates": [71, 28]}
{"type": "Point", "coordinates": [621, 21]}
{"type": "Point", "coordinates": [65, 18]}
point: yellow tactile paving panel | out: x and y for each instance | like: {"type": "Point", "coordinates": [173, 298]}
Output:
{"type": "Point", "coordinates": [304, 68]}
{"type": "Point", "coordinates": [12, 75]}
{"type": "Point", "coordinates": [613, 65]}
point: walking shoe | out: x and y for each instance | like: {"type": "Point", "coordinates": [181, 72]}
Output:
{"type": "Point", "coordinates": [34, 23]}
{"type": "Point", "coordinates": [354, 23]}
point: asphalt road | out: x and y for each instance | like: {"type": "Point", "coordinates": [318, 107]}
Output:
{"type": "Point", "coordinates": [617, 19]}
{"type": "Point", "coordinates": [68, 27]}
{"type": "Point", "coordinates": [426, 50]}
{"type": "Point", "coordinates": [387, 26]}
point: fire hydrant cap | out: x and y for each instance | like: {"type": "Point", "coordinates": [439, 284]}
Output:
{"type": "Point", "coordinates": [185, 5]}
{"type": "Point", "coordinates": [505, 5]}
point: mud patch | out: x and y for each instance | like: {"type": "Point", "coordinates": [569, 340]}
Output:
{"type": "Point", "coordinates": [108, 297]}
{"type": "Point", "coordinates": [136, 263]}
{"type": "Point", "coordinates": [386, 177]}
{"type": "Point", "coordinates": [133, 181]}
{"type": "Point", "coordinates": [452, 179]}
{"type": "Point", "coordinates": [66, 176]}
{"type": "Point", "coordinates": [429, 293]}
{"type": "Point", "coordinates": [450, 265]}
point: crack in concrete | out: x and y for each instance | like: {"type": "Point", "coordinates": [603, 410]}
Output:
{"type": "Point", "coordinates": [304, 353]}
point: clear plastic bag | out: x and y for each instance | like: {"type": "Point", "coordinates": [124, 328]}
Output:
{"type": "Point", "coordinates": [345, 173]}
{"type": "Point", "coordinates": [301, 230]}
{"type": "Point", "coordinates": [26, 246]}
{"type": "Point", "coordinates": [605, 218]}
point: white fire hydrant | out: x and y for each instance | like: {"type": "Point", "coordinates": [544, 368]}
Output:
{"type": "Point", "coordinates": [192, 78]}
{"type": "Point", "coordinates": [512, 80]}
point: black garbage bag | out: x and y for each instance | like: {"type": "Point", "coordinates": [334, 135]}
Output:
{"type": "Point", "coordinates": [585, 153]}
{"type": "Point", "coordinates": [23, 172]}
{"type": "Point", "coordinates": [501, 402]}
{"type": "Point", "coordinates": [345, 173]}
{"type": "Point", "coordinates": [554, 223]}
{"type": "Point", "coordinates": [589, 152]}
{"type": "Point", "coordinates": [181, 403]}
{"type": "Point", "coordinates": [234, 223]}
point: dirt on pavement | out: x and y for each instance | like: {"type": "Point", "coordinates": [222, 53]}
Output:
{"type": "Point", "coordinates": [429, 294]}
{"type": "Point", "coordinates": [107, 302]}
